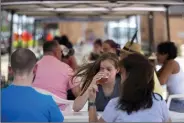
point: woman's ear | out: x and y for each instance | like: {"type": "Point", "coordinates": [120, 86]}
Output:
{"type": "Point", "coordinates": [118, 70]}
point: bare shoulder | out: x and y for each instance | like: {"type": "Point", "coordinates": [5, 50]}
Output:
{"type": "Point", "coordinates": [174, 65]}
{"type": "Point", "coordinates": [171, 62]}
{"type": "Point", "coordinates": [169, 66]}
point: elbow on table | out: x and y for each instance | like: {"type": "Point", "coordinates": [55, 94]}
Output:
{"type": "Point", "coordinates": [76, 108]}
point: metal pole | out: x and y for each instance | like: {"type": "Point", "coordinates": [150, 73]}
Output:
{"type": "Point", "coordinates": [22, 24]}
{"type": "Point", "coordinates": [119, 28]}
{"type": "Point", "coordinates": [151, 32]}
{"type": "Point", "coordinates": [34, 33]}
{"type": "Point", "coordinates": [45, 32]}
{"type": "Point", "coordinates": [136, 21]}
{"type": "Point", "coordinates": [19, 27]}
{"type": "Point", "coordinates": [128, 29]}
{"type": "Point", "coordinates": [11, 35]}
{"type": "Point", "coordinates": [167, 23]}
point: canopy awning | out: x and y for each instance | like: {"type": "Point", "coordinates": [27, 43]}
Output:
{"type": "Point", "coordinates": [91, 9]}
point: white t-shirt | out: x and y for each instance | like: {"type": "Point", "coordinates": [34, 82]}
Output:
{"type": "Point", "coordinates": [157, 113]}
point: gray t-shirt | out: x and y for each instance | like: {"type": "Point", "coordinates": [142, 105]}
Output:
{"type": "Point", "coordinates": [102, 100]}
{"type": "Point", "coordinates": [157, 113]}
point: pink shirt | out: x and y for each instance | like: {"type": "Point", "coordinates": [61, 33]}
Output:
{"type": "Point", "coordinates": [54, 76]}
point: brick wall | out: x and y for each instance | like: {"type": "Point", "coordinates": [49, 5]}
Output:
{"type": "Point", "coordinates": [76, 30]}
{"type": "Point", "coordinates": [160, 32]}
{"type": "Point", "coordinates": [159, 28]}
{"type": "Point", "coordinates": [177, 29]}
{"type": "Point", "coordinates": [72, 29]}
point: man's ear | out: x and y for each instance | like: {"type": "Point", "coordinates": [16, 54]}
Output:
{"type": "Point", "coordinates": [55, 53]}
{"type": "Point", "coordinates": [10, 70]}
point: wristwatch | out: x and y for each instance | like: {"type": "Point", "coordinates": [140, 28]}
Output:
{"type": "Point", "coordinates": [90, 103]}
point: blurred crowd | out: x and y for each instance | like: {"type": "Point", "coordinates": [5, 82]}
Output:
{"type": "Point", "coordinates": [122, 83]}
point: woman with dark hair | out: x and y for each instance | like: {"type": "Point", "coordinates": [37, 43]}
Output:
{"type": "Point", "coordinates": [137, 102]}
{"type": "Point", "coordinates": [67, 51]}
{"type": "Point", "coordinates": [102, 72]}
{"type": "Point", "coordinates": [97, 50]}
{"type": "Point", "coordinates": [97, 46]}
{"type": "Point", "coordinates": [171, 73]}
{"type": "Point", "coordinates": [111, 46]}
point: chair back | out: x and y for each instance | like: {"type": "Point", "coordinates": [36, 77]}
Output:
{"type": "Point", "coordinates": [58, 100]}
{"type": "Point", "coordinates": [175, 116]}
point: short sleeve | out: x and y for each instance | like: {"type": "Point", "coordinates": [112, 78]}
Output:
{"type": "Point", "coordinates": [165, 111]}
{"type": "Point", "coordinates": [110, 112]}
{"type": "Point", "coordinates": [73, 82]}
{"type": "Point", "coordinates": [55, 114]}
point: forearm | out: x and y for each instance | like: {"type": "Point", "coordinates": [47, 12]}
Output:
{"type": "Point", "coordinates": [75, 65]}
{"type": "Point", "coordinates": [93, 114]}
{"type": "Point", "coordinates": [80, 101]}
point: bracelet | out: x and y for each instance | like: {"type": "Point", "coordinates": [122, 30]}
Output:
{"type": "Point", "coordinates": [91, 104]}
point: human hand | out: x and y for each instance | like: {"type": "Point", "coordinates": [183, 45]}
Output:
{"type": "Point", "coordinates": [92, 90]}
{"type": "Point", "coordinates": [100, 77]}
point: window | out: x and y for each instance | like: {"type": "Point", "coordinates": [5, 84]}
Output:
{"type": "Point", "coordinates": [123, 30]}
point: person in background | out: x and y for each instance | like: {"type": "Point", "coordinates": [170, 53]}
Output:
{"type": "Point", "coordinates": [131, 48]}
{"type": "Point", "coordinates": [171, 73]}
{"type": "Point", "coordinates": [153, 59]}
{"type": "Point", "coordinates": [20, 102]}
{"type": "Point", "coordinates": [97, 46]}
{"type": "Point", "coordinates": [84, 47]}
{"type": "Point", "coordinates": [93, 57]}
{"type": "Point", "coordinates": [97, 50]}
{"type": "Point", "coordinates": [53, 75]}
{"type": "Point", "coordinates": [111, 46]}
{"type": "Point", "coordinates": [137, 102]}
{"type": "Point", "coordinates": [67, 57]}
{"type": "Point", "coordinates": [67, 51]}
{"type": "Point", "coordinates": [103, 71]}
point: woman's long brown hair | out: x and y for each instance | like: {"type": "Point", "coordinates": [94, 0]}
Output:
{"type": "Point", "coordinates": [88, 71]}
{"type": "Point", "coordinates": [137, 89]}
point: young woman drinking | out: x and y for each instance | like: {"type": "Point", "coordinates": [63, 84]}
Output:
{"type": "Point", "coordinates": [137, 102]}
{"type": "Point", "coordinates": [103, 73]}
